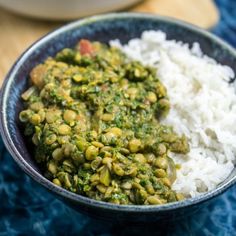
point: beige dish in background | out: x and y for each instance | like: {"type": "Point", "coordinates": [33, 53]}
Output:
{"type": "Point", "coordinates": [64, 9]}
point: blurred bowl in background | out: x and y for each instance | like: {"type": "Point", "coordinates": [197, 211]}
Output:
{"type": "Point", "coordinates": [63, 9]}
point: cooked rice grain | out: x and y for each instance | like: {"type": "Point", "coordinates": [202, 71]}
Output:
{"type": "Point", "coordinates": [203, 107]}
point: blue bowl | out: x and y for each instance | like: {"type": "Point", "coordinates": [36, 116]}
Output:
{"type": "Point", "coordinates": [123, 26]}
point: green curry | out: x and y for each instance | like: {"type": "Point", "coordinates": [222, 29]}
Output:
{"type": "Point", "coordinates": [94, 118]}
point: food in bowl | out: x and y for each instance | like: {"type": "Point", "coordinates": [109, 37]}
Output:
{"type": "Point", "coordinates": [98, 118]}
{"type": "Point", "coordinates": [93, 116]}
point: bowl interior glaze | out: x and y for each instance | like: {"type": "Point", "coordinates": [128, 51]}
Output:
{"type": "Point", "coordinates": [123, 26]}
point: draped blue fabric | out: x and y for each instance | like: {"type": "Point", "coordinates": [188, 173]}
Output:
{"type": "Point", "coordinates": [28, 209]}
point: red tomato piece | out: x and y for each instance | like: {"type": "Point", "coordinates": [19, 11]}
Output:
{"type": "Point", "coordinates": [86, 47]}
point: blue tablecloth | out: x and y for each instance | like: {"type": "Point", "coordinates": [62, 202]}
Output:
{"type": "Point", "coordinates": [28, 209]}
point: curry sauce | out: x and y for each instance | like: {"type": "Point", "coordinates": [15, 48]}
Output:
{"type": "Point", "coordinates": [94, 117]}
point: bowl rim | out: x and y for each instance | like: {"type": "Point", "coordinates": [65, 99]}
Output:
{"type": "Point", "coordinates": [73, 196]}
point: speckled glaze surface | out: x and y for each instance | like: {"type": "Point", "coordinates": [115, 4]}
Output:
{"type": "Point", "coordinates": [123, 26]}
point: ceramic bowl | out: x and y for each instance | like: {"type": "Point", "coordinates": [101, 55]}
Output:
{"type": "Point", "coordinates": [64, 9]}
{"type": "Point", "coordinates": [123, 26]}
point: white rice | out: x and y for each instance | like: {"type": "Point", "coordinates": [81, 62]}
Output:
{"type": "Point", "coordinates": [203, 107]}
